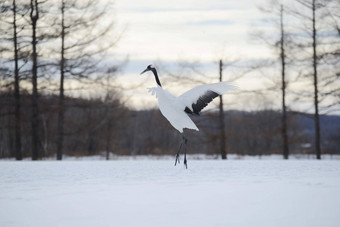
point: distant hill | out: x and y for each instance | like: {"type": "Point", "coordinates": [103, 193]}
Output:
{"type": "Point", "coordinates": [329, 124]}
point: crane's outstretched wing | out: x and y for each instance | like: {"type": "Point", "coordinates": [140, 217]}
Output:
{"type": "Point", "coordinates": [199, 97]}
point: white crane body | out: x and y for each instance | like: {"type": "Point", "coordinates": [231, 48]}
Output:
{"type": "Point", "coordinates": [173, 109]}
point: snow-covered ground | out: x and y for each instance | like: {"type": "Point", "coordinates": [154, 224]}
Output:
{"type": "Point", "coordinates": [155, 193]}
{"type": "Point", "coordinates": [112, 156]}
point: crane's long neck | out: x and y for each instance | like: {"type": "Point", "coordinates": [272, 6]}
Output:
{"type": "Point", "coordinates": [156, 76]}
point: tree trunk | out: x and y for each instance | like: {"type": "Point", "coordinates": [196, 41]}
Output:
{"type": "Point", "coordinates": [60, 133]}
{"type": "Point", "coordinates": [222, 125]}
{"type": "Point", "coordinates": [35, 112]}
{"type": "Point", "coordinates": [284, 113]}
{"type": "Point", "coordinates": [316, 102]}
{"type": "Point", "coordinates": [18, 153]}
{"type": "Point", "coordinates": [108, 139]}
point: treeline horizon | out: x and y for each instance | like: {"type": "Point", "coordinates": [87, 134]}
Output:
{"type": "Point", "coordinates": [103, 126]}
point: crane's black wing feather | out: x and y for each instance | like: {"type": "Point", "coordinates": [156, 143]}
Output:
{"type": "Point", "coordinates": [201, 102]}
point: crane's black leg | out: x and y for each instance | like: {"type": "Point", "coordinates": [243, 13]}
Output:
{"type": "Point", "coordinates": [185, 151]}
{"type": "Point", "coordinates": [177, 155]}
{"type": "Point", "coordinates": [185, 141]}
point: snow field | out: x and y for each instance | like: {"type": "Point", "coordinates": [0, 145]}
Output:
{"type": "Point", "coordinates": [155, 193]}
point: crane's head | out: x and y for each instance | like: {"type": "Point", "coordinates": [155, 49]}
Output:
{"type": "Point", "coordinates": [154, 71]}
{"type": "Point", "coordinates": [147, 69]}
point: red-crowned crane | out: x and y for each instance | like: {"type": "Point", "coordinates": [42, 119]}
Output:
{"type": "Point", "coordinates": [175, 109]}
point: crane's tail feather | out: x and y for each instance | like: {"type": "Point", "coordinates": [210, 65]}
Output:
{"type": "Point", "coordinates": [153, 91]}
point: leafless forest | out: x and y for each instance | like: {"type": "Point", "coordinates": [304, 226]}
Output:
{"type": "Point", "coordinates": [59, 96]}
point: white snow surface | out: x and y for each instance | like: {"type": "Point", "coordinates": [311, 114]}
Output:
{"type": "Point", "coordinates": [155, 193]}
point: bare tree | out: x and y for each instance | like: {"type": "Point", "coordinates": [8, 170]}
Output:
{"type": "Point", "coordinates": [222, 124]}
{"type": "Point", "coordinates": [283, 73]}
{"type": "Point", "coordinates": [11, 25]}
{"type": "Point", "coordinates": [87, 44]}
{"type": "Point", "coordinates": [60, 132]}
{"type": "Point", "coordinates": [34, 16]}
{"type": "Point", "coordinates": [313, 24]}
{"type": "Point", "coordinates": [282, 45]}
{"type": "Point", "coordinates": [18, 153]}
{"type": "Point", "coordinates": [316, 93]}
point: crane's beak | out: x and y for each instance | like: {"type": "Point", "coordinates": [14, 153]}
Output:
{"type": "Point", "coordinates": [144, 71]}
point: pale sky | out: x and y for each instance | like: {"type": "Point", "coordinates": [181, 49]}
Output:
{"type": "Point", "coordinates": [183, 30]}
{"type": "Point", "coordinates": [165, 33]}
{"type": "Point", "coordinates": [187, 29]}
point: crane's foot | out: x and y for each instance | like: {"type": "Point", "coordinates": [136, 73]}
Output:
{"type": "Point", "coordinates": [185, 163]}
{"type": "Point", "coordinates": [177, 159]}
{"type": "Point", "coordinates": [185, 156]}
{"type": "Point", "coordinates": [185, 140]}
{"type": "Point", "coordinates": [177, 155]}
